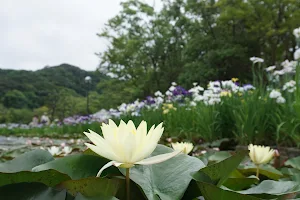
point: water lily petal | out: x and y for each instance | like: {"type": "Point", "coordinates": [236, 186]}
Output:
{"type": "Point", "coordinates": [158, 159]}
{"type": "Point", "coordinates": [107, 165]}
{"type": "Point", "coordinates": [104, 152]}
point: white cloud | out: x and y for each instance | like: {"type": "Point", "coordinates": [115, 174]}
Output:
{"type": "Point", "coordinates": [37, 33]}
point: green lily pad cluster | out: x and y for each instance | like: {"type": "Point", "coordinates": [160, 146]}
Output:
{"type": "Point", "coordinates": [37, 175]}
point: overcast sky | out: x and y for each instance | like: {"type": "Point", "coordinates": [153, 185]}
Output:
{"type": "Point", "coordinates": [37, 33]}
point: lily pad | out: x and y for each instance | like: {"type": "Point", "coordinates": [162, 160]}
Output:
{"type": "Point", "coordinates": [265, 170]}
{"type": "Point", "coordinates": [32, 191]}
{"type": "Point", "coordinates": [78, 166]}
{"type": "Point", "coordinates": [102, 197]}
{"type": "Point", "coordinates": [93, 186]}
{"type": "Point", "coordinates": [219, 156]}
{"type": "Point", "coordinates": [48, 177]}
{"type": "Point", "coordinates": [212, 192]}
{"type": "Point", "coordinates": [167, 180]}
{"type": "Point", "coordinates": [273, 189]}
{"type": "Point", "coordinates": [240, 183]}
{"type": "Point", "coordinates": [26, 161]}
{"type": "Point", "coordinates": [220, 171]}
{"type": "Point", "coordinates": [293, 162]}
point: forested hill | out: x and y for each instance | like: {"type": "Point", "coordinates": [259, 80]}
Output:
{"type": "Point", "coordinates": [20, 88]}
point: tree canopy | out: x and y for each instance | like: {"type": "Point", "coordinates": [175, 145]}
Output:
{"type": "Point", "coordinates": [196, 41]}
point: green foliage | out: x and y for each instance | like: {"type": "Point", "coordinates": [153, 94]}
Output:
{"type": "Point", "coordinates": [26, 161]}
{"type": "Point", "coordinates": [76, 166]}
{"type": "Point", "coordinates": [196, 41]}
{"type": "Point", "coordinates": [181, 177]}
{"type": "Point", "coordinates": [15, 99]}
{"type": "Point", "coordinates": [156, 180]}
{"type": "Point", "coordinates": [59, 91]}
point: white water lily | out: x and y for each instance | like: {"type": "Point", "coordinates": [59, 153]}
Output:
{"type": "Point", "coordinates": [260, 154]}
{"type": "Point", "coordinates": [67, 150]}
{"type": "Point", "coordinates": [54, 150]}
{"type": "Point", "coordinates": [127, 145]}
{"type": "Point", "coordinates": [185, 147]}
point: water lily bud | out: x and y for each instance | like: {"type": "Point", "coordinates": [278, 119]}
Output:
{"type": "Point", "coordinates": [185, 147]}
{"type": "Point", "coordinates": [260, 154]}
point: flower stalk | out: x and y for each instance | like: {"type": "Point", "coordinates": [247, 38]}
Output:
{"type": "Point", "coordinates": [127, 184]}
{"type": "Point", "coordinates": [257, 171]}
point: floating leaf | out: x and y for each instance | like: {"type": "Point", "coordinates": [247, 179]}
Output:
{"type": "Point", "coordinates": [240, 183]}
{"type": "Point", "coordinates": [220, 171]}
{"type": "Point", "coordinates": [48, 177]}
{"type": "Point", "coordinates": [26, 161]}
{"type": "Point", "coordinates": [219, 156]}
{"type": "Point", "coordinates": [102, 197]}
{"type": "Point", "coordinates": [212, 192]}
{"type": "Point", "coordinates": [265, 170]}
{"type": "Point", "coordinates": [294, 162]}
{"type": "Point", "coordinates": [32, 191]}
{"type": "Point", "coordinates": [92, 186]}
{"type": "Point", "coordinates": [272, 189]}
{"type": "Point", "coordinates": [78, 166]}
{"type": "Point", "coordinates": [289, 171]}
{"type": "Point", "coordinates": [166, 180]}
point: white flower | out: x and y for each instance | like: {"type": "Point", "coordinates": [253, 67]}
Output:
{"type": "Point", "coordinates": [159, 100]}
{"type": "Point", "coordinates": [289, 86]}
{"type": "Point", "coordinates": [54, 150]}
{"type": "Point", "coordinates": [169, 93]}
{"type": "Point", "coordinates": [198, 98]}
{"type": "Point", "coordinates": [296, 32]}
{"type": "Point", "coordinates": [278, 72]}
{"type": "Point", "coordinates": [172, 88]}
{"type": "Point", "coordinates": [195, 84]}
{"type": "Point", "coordinates": [256, 60]}
{"type": "Point", "coordinates": [185, 147]}
{"type": "Point", "coordinates": [158, 94]}
{"type": "Point", "coordinates": [67, 150]}
{"type": "Point", "coordinates": [271, 68]}
{"type": "Point", "coordinates": [297, 54]}
{"type": "Point", "coordinates": [260, 154]}
{"type": "Point", "coordinates": [280, 100]}
{"type": "Point", "coordinates": [174, 84]}
{"type": "Point", "coordinates": [127, 145]}
{"type": "Point", "coordinates": [275, 94]}
{"type": "Point", "coordinates": [193, 103]}
{"type": "Point", "coordinates": [195, 90]}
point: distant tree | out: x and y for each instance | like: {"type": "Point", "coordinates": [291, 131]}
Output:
{"type": "Point", "coordinates": [196, 41]}
{"type": "Point", "coordinates": [15, 99]}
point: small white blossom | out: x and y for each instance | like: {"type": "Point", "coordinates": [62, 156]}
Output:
{"type": "Point", "coordinates": [280, 100]}
{"type": "Point", "coordinates": [193, 103]}
{"type": "Point", "coordinates": [158, 94]}
{"type": "Point", "coordinates": [297, 54]}
{"type": "Point", "coordinates": [275, 94]}
{"type": "Point", "coordinates": [271, 68]}
{"type": "Point", "coordinates": [256, 60]}
{"type": "Point", "coordinates": [54, 150]}
{"type": "Point", "coordinates": [169, 93]}
{"type": "Point", "coordinates": [67, 150]}
{"type": "Point", "coordinates": [296, 32]}
{"type": "Point", "coordinates": [172, 88]}
{"type": "Point", "coordinates": [289, 86]}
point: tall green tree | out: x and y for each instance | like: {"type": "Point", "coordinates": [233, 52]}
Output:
{"type": "Point", "coordinates": [15, 99]}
